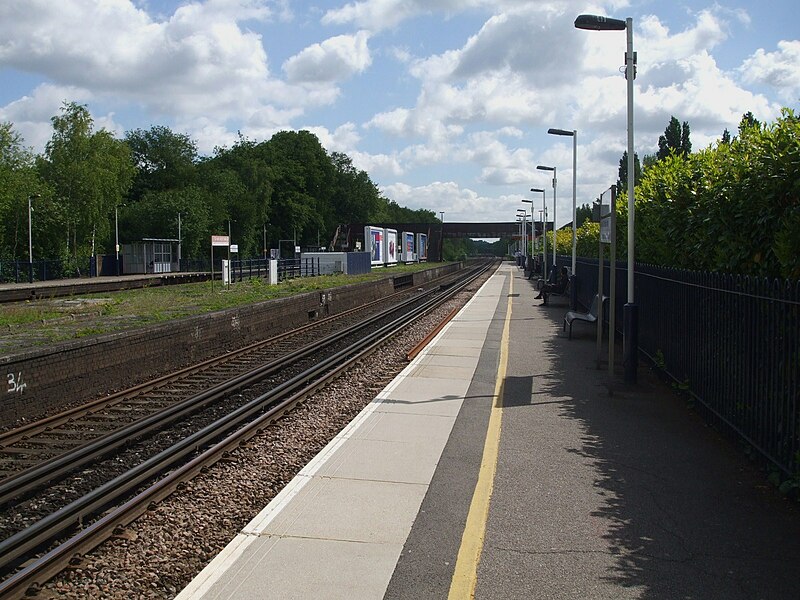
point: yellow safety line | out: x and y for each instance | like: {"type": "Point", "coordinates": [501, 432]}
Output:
{"type": "Point", "coordinates": [465, 575]}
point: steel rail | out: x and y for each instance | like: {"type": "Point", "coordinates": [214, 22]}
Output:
{"type": "Point", "coordinates": [37, 477]}
{"type": "Point", "coordinates": [13, 435]}
{"type": "Point", "coordinates": [44, 530]}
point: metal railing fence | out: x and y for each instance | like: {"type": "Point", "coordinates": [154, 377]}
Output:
{"type": "Point", "coordinates": [289, 268]}
{"type": "Point", "coordinates": [21, 271]}
{"type": "Point", "coordinates": [732, 342]}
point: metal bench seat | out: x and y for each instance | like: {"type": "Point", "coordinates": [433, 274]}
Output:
{"type": "Point", "coordinates": [587, 317]}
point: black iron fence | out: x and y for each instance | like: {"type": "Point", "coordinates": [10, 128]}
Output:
{"type": "Point", "coordinates": [289, 268]}
{"type": "Point", "coordinates": [20, 271]}
{"type": "Point", "coordinates": [732, 342]}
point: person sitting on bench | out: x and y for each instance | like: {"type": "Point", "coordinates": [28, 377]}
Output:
{"type": "Point", "coordinates": [558, 287]}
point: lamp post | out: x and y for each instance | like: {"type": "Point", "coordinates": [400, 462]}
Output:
{"type": "Point", "coordinates": [180, 242]}
{"type": "Point", "coordinates": [521, 212]}
{"type": "Point", "coordinates": [230, 271]}
{"type": "Point", "coordinates": [541, 220]}
{"type": "Point", "coordinates": [553, 169]}
{"type": "Point", "coordinates": [30, 237]}
{"type": "Point", "coordinates": [544, 231]}
{"type": "Point", "coordinates": [532, 231]}
{"type": "Point", "coordinates": [630, 329]}
{"type": "Point", "coordinates": [574, 135]}
{"type": "Point", "coordinates": [116, 240]}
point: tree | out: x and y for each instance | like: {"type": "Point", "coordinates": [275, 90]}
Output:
{"type": "Point", "coordinates": [583, 213]}
{"type": "Point", "coordinates": [731, 208]}
{"type": "Point", "coordinates": [18, 181]}
{"type": "Point", "coordinates": [675, 139]}
{"type": "Point", "coordinates": [747, 122]}
{"type": "Point", "coordinates": [726, 137]}
{"type": "Point", "coordinates": [622, 182]}
{"type": "Point", "coordinates": [164, 160]}
{"type": "Point", "coordinates": [356, 199]}
{"type": "Point", "coordinates": [90, 173]}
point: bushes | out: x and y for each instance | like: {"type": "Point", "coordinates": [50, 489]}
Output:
{"type": "Point", "coordinates": [733, 208]}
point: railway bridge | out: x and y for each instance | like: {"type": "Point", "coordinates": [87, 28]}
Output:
{"type": "Point", "coordinates": [347, 236]}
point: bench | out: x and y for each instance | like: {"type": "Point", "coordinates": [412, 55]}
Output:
{"type": "Point", "coordinates": [587, 317]}
{"type": "Point", "coordinates": [564, 294]}
{"type": "Point", "coordinates": [551, 279]}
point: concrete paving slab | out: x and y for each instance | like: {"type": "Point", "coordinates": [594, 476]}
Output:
{"type": "Point", "coordinates": [450, 373]}
{"type": "Point", "coordinates": [462, 341]}
{"type": "Point", "coordinates": [455, 350]}
{"type": "Point", "coordinates": [270, 562]}
{"type": "Point", "coordinates": [411, 428]}
{"type": "Point", "coordinates": [350, 510]}
{"type": "Point", "coordinates": [424, 396]}
{"type": "Point", "coordinates": [383, 460]}
{"type": "Point", "coordinates": [445, 360]}
{"type": "Point", "coordinates": [424, 389]}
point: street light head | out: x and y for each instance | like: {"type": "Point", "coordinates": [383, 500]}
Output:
{"type": "Point", "coordinates": [528, 201]}
{"type": "Point", "coordinates": [543, 168]}
{"type": "Point", "coordinates": [537, 190]}
{"type": "Point", "coordinates": [599, 23]}
{"type": "Point", "coordinates": [560, 132]}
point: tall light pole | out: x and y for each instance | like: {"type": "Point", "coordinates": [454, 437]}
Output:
{"type": "Point", "coordinates": [553, 169]}
{"type": "Point", "coordinates": [630, 328]}
{"type": "Point", "coordinates": [541, 220]}
{"type": "Point", "coordinates": [180, 242]}
{"type": "Point", "coordinates": [574, 135]}
{"type": "Point", "coordinates": [116, 239]}
{"type": "Point", "coordinates": [544, 231]}
{"type": "Point", "coordinates": [30, 237]}
{"type": "Point", "coordinates": [532, 231]}
{"type": "Point", "coordinates": [441, 237]}
{"type": "Point", "coordinates": [521, 212]}
{"type": "Point", "coordinates": [230, 271]}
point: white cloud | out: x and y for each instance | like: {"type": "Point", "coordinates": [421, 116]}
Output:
{"type": "Point", "coordinates": [197, 63]}
{"type": "Point", "coordinates": [31, 114]}
{"type": "Point", "coordinates": [780, 69]}
{"type": "Point", "coordinates": [376, 15]}
{"type": "Point", "coordinates": [334, 59]}
{"type": "Point", "coordinates": [458, 203]}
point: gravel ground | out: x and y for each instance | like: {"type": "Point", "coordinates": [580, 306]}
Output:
{"type": "Point", "coordinates": [167, 546]}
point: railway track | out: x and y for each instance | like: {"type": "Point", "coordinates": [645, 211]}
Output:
{"type": "Point", "coordinates": [242, 405]}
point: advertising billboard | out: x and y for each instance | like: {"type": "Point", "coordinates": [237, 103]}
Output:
{"type": "Point", "coordinates": [422, 246]}
{"type": "Point", "coordinates": [374, 239]}
{"type": "Point", "coordinates": [391, 247]}
{"type": "Point", "coordinates": [407, 251]}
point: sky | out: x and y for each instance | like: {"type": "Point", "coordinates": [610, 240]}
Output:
{"type": "Point", "coordinates": [444, 103]}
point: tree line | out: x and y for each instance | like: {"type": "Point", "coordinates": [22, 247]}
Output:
{"type": "Point", "coordinates": [733, 207]}
{"type": "Point", "coordinates": [87, 182]}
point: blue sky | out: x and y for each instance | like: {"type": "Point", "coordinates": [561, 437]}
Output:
{"type": "Point", "coordinates": [445, 103]}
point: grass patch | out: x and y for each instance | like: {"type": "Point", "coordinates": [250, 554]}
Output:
{"type": "Point", "coordinates": [94, 314]}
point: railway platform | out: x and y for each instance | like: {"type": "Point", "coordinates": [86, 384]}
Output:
{"type": "Point", "coordinates": [56, 288]}
{"type": "Point", "coordinates": [501, 463]}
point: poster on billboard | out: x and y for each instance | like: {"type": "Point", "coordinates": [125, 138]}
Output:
{"type": "Point", "coordinates": [407, 251]}
{"type": "Point", "coordinates": [391, 246]}
{"type": "Point", "coordinates": [374, 240]}
{"type": "Point", "coordinates": [422, 246]}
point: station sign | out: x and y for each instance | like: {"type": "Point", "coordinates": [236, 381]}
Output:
{"type": "Point", "coordinates": [220, 240]}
